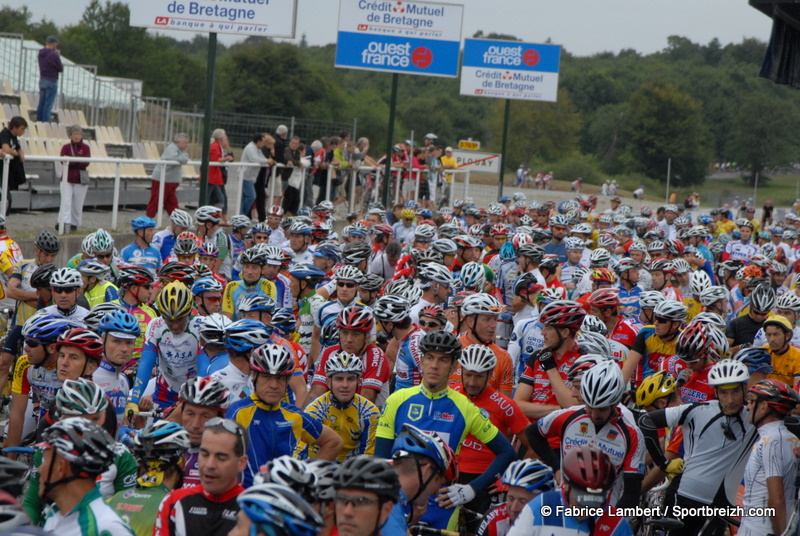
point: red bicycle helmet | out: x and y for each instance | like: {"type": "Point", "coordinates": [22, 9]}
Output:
{"type": "Point", "coordinates": [662, 265]}
{"type": "Point", "coordinates": [692, 342]}
{"type": "Point", "coordinates": [675, 247]}
{"type": "Point", "coordinates": [778, 396]}
{"type": "Point", "coordinates": [383, 228]}
{"type": "Point", "coordinates": [604, 297]}
{"type": "Point", "coordinates": [82, 338]}
{"type": "Point", "coordinates": [435, 312]}
{"type": "Point", "coordinates": [589, 469]}
{"type": "Point", "coordinates": [602, 275]}
{"type": "Point", "coordinates": [563, 314]}
{"type": "Point", "coordinates": [356, 318]}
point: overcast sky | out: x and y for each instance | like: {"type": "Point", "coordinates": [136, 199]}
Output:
{"type": "Point", "coordinates": [583, 27]}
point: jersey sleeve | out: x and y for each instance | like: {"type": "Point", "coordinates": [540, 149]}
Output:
{"type": "Point", "coordinates": [32, 503]}
{"type": "Point", "coordinates": [639, 343]}
{"type": "Point", "coordinates": [164, 525]}
{"type": "Point", "coordinates": [227, 298]}
{"type": "Point", "coordinates": [319, 371]}
{"type": "Point", "coordinates": [503, 375]}
{"type": "Point", "coordinates": [20, 384]}
{"type": "Point", "coordinates": [312, 428]}
{"type": "Point", "coordinates": [552, 424]}
{"type": "Point", "coordinates": [127, 471]}
{"type": "Point", "coordinates": [376, 371]}
{"type": "Point", "coordinates": [269, 289]}
{"type": "Point", "coordinates": [478, 424]}
{"type": "Point", "coordinates": [634, 457]}
{"type": "Point", "coordinates": [386, 423]}
{"type": "Point", "coordinates": [517, 421]}
{"type": "Point", "coordinates": [679, 415]}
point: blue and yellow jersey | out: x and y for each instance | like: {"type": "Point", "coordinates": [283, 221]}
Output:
{"type": "Point", "coordinates": [103, 292]}
{"type": "Point", "coordinates": [274, 431]}
{"type": "Point", "coordinates": [448, 413]}
{"type": "Point", "coordinates": [694, 308]}
{"type": "Point", "coordinates": [236, 289]}
{"type": "Point", "coordinates": [355, 423]}
{"type": "Point", "coordinates": [143, 314]}
{"type": "Point", "coordinates": [653, 351]}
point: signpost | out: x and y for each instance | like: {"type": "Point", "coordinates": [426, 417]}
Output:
{"type": "Point", "coordinates": [399, 37]}
{"type": "Point", "coordinates": [479, 162]}
{"type": "Point", "coordinates": [509, 70]}
{"type": "Point", "coordinates": [256, 17]}
{"type": "Point", "coordinates": [469, 145]}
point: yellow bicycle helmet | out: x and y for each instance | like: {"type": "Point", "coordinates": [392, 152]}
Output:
{"type": "Point", "coordinates": [174, 301]}
{"type": "Point", "coordinates": [658, 385]}
{"type": "Point", "coordinates": [407, 213]}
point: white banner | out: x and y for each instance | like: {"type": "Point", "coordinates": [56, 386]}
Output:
{"type": "Point", "coordinates": [267, 18]}
{"type": "Point", "coordinates": [478, 162]}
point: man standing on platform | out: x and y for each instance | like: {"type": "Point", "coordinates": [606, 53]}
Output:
{"type": "Point", "coordinates": [49, 68]}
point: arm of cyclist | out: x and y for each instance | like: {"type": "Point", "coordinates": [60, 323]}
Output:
{"type": "Point", "coordinates": [143, 374]}
{"type": "Point", "coordinates": [533, 411]}
{"type": "Point", "coordinates": [19, 404]}
{"type": "Point", "coordinates": [329, 443]}
{"type": "Point", "coordinates": [539, 444]}
{"type": "Point", "coordinates": [777, 501]}
{"type": "Point", "coordinates": [650, 424]}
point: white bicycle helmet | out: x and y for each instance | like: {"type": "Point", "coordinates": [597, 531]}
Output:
{"type": "Point", "coordinates": [473, 276]}
{"type": "Point", "coordinates": [181, 218]}
{"type": "Point", "coordinates": [436, 273]}
{"type": "Point", "coordinates": [790, 301]}
{"type": "Point", "coordinates": [728, 371]}
{"type": "Point", "coordinates": [349, 273]}
{"type": "Point", "coordinates": [591, 342]}
{"type": "Point", "coordinates": [680, 266]}
{"type": "Point", "coordinates": [713, 319]}
{"type": "Point", "coordinates": [344, 363]}
{"type": "Point", "coordinates": [713, 294]}
{"type": "Point", "coordinates": [205, 392]}
{"type": "Point", "coordinates": [592, 324]}
{"type": "Point", "coordinates": [425, 231]}
{"type": "Point", "coordinates": [80, 397]}
{"type": "Point", "coordinates": [208, 213]}
{"type": "Point", "coordinates": [599, 258]}
{"type": "Point", "coordinates": [602, 385]}
{"type": "Point", "coordinates": [638, 246]}
{"type": "Point", "coordinates": [212, 328]}
{"type": "Point", "coordinates": [445, 246]}
{"type": "Point", "coordinates": [480, 304]}
{"type": "Point", "coordinates": [671, 309]}
{"type": "Point", "coordinates": [574, 243]}
{"type": "Point", "coordinates": [478, 358]}
{"type": "Point", "coordinates": [87, 246]}
{"type": "Point", "coordinates": [651, 298]}
{"type": "Point", "coordinates": [700, 281]}
{"type": "Point", "coordinates": [240, 221]}
{"type": "Point", "coordinates": [391, 308]}
{"type": "Point", "coordinates": [66, 277]}
{"type": "Point", "coordinates": [404, 288]}
{"type": "Point", "coordinates": [762, 299]}
{"type": "Point", "coordinates": [273, 360]}
{"type": "Point", "coordinates": [532, 475]}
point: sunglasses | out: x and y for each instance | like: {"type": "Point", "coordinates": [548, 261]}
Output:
{"type": "Point", "coordinates": [63, 290]}
{"type": "Point", "coordinates": [30, 343]}
{"type": "Point", "coordinates": [662, 320]}
{"type": "Point", "coordinates": [422, 241]}
{"type": "Point", "coordinates": [146, 287]}
{"type": "Point", "coordinates": [358, 501]}
{"type": "Point", "coordinates": [408, 219]}
{"type": "Point", "coordinates": [213, 299]}
{"type": "Point", "coordinates": [341, 284]}
{"type": "Point", "coordinates": [108, 256]}
{"type": "Point", "coordinates": [431, 324]}
{"type": "Point", "coordinates": [229, 426]}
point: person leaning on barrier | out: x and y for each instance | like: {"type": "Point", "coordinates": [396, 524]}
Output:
{"type": "Point", "coordinates": [173, 173]}
{"type": "Point", "coordinates": [76, 189]}
{"type": "Point", "coordinates": [252, 154]}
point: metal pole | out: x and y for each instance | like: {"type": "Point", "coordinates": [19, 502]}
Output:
{"type": "Point", "coordinates": [4, 201]}
{"type": "Point", "coordinates": [63, 188]}
{"type": "Point", "coordinates": [399, 183]}
{"type": "Point", "coordinates": [466, 184]}
{"type": "Point", "coordinates": [240, 193]}
{"type": "Point", "coordinates": [291, 128]}
{"type": "Point", "coordinates": [328, 184]}
{"type": "Point", "coordinates": [303, 188]}
{"type": "Point", "coordinates": [115, 207]}
{"type": "Point", "coordinates": [417, 179]}
{"type": "Point", "coordinates": [388, 164]}
{"type": "Point", "coordinates": [355, 127]}
{"type": "Point", "coordinates": [669, 171]}
{"type": "Point", "coordinates": [161, 182]}
{"type": "Point", "coordinates": [209, 108]}
{"type": "Point", "coordinates": [353, 200]}
{"type": "Point", "coordinates": [272, 185]}
{"type": "Point", "coordinates": [503, 149]}
{"type": "Point", "coordinates": [432, 184]}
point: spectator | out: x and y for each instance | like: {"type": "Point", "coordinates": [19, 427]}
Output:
{"type": "Point", "coordinates": [448, 162]}
{"type": "Point", "coordinates": [293, 154]}
{"type": "Point", "coordinates": [49, 68]}
{"type": "Point", "coordinates": [264, 175]}
{"type": "Point", "coordinates": [172, 175]}
{"type": "Point", "coordinates": [216, 183]}
{"type": "Point", "coordinates": [766, 214]}
{"type": "Point", "coordinates": [281, 133]}
{"type": "Point", "coordinates": [9, 145]}
{"type": "Point", "coordinates": [252, 154]}
{"type": "Point", "coordinates": [77, 178]}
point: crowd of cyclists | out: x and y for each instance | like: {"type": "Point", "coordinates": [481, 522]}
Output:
{"type": "Point", "coordinates": [526, 368]}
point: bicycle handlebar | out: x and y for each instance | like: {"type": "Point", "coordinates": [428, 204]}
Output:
{"type": "Point", "coordinates": [424, 530]}
{"type": "Point", "coordinates": [20, 450]}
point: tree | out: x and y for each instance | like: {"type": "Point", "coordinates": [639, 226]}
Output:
{"type": "Point", "coordinates": [764, 133]}
{"type": "Point", "coordinates": [666, 123]}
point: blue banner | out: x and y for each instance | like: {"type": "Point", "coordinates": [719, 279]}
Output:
{"type": "Point", "coordinates": [397, 54]}
{"type": "Point", "coordinates": [511, 55]}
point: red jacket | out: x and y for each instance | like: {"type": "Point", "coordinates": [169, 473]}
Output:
{"type": "Point", "coordinates": [214, 172]}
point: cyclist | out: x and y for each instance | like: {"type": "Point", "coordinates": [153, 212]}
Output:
{"type": "Point", "coordinates": [743, 329]}
{"type": "Point", "coordinates": [210, 507]}
{"type": "Point", "coordinates": [185, 249]}
{"type": "Point", "coordinates": [240, 339]}
{"type": "Point", "coordinates": [207, 293]}
{"type": "Point", "coordinates": [213, 357]}
{"type": "Point", "coordinates": [367, 489]}
{"type": "Point", "coordinates": [141, 251]}
{"type": "Point", "coordinates": [104, 251]}
{"type": "Point", "coordinates": [300, 242]}
{"type": "Point", "coordinates": [605, 304]}
{"type": "Point", "coordinates": [211, 234]}
{"type": "Point", "coordinates": [588, 479]}
{"type": "Point", "coordinates": [347, 279]}
{"type": "Point", "coordinates": [542, 388]}
{"type": "Point", "coordinates": [347, 413]}
{"type": "Point", "coordinates": [434, 407]}
{"type": "Point", "coordinates": [787, 306]}
{"type": "Point", "coordinates": [696, 349]}
{"type": "Point", "coordinates": [392, 314]}
{"type": "Point", "coordinates": [354, 326]}
{"type": "Point", "coordinates": [653, 344]}
{"type": "Point", "coordinates": [272, 272]}
{"type": "Point", "coordinates": [525, 479]}
{"type": "Point", "coordinates": [76, 451]}
{"type": "Point", "coordinates": [435, 280]}
{"type": "Point", "coordinates": [135, 283]}
{"type": "Point", "coordinates": [785, 357]}
{"type": "Point", "coordinates": [627, 271]}
{"type": "Point", "coordinates": [743, 248]}
{"type": "Point", "coordinates": [82, 398]}
{"type": "Point", "coordinates": [172, 345]}
{"type": "Point", "coordinates": [179, 222]}
{"type": "Point", "coordinates": [772, 467]}
{"type": "Point", "coordinates": [715, 454]}
{"type": "Point", "coordinates": [477, 365]}
{"type": "Point", "coordinates": [159, 450]}
{"type": "Point", "coordinates": [369, 289]}
{"type": "Point", "coordinates": [600, 422]}
{"type": "Point", "coordinates": [251, 281]}
{"type": "Point", "coordinates": [118, 331]}
{"type": "Point", "coordinates": [64, 285]}
{"type": "Point", "coordinates": [34, 373]}
{"type": "Point", "coordinates": [303, 279]}
{"type": "Point", "coordinates": [264, 414]}
{"type": "Point", "coordinates": [424, 463]}
{"type": "Point", "coordinates": [714, 299]}
{"type": "Point", "coordinates": [95, 288]}
{"type": "Point", "coordinates": [275, 510]}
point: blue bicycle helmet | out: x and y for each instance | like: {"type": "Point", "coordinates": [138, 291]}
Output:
{"type": "Point", "coordinates": [244, 335]}
{"type": "Point", "coordinates": [533, 475]}
{"type": "Point", "coordinates": [412, 204]}
{"type": "Point", "coordinates": [330, 252]}
{"type": "Point", "coordinates": [120, 324]}
{"type": "Point", "coordinates": [757, 359]}
{"type": "Point", "coordinates": [256, 302]}
{"type": "Point", "coordinates": [329, 334]}
{"type": "Point", "coordinates": [45, 328]}
{"type": "Point", "coordinates": [162, 441]}
{"type": "Point", "coordinates": [142, 222]}
{"type": "Point", "coordinates": [414, 442]}
{"type": "Point", "coordinates": [284, 322]}
{"type": "Point", "coordinates": [307, 272]}
{"type": "Point", "coordinates": [206, 284]}
{"type": "Point", "coordinates": [279, 511]}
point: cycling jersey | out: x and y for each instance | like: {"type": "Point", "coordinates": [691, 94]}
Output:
{"type": "Point", "coordinates": [496, 522]}
{"type": "Point", "coordinates": [404, 234]}
{"type": "Point", "coordinates": [136, 506]}
{"type": "Point", "coordinates": [693, 308]}
{"type": "Point", "coordinates": [75, 315]}
{"type": "Point", "coordinates": [164, 241]}
{"type": "Point", "coordinates": [136, 255]}
{"type": "Point", "coordinates": [193, 511]}
{"type": "Point", "coordinates": [191, 467]}
{"type": "Point", "coordinates": [407, 365]}
{"type": "Point", "coordinates": [143, 314]}
{"type": "Point", "coordinates": [274, 431]}
{"type": "Point", "coordinates": [696, 388]}
{"type": "Point", "coordinates": [23, 273]}
{"type": "Point", "coordinates": [303, 257]}
{"type": "Point", "coordinates": [629, 307]}
{"type": "Point", "coordinates": [506, 278]}
{"type": "Point", "coordinates": [739, 250]}
{"type": "Point", "coordinates": [239, 384]}
{"type": "Point", "coordinates": [90, 517]}
{"type": "Point", "coordinates": [102, 292]}
{"type": "Point", "coordinates": [532, 522]}
{"type": "Point", "coordinates": [761, 339]}
{"type": "Point", "coordinates": [355, 422]}
{"type": "Point", "coordinates": [308, 306]}
{"type": "Point", "coordinates": [653, 350]}
{"type": "Point", "coordinates": [526, 339]}
{"type": "Point", "coordinates": [114, 384]}
{"type": "Point", "coordinates": [283, 292]}
{"type": "Point", "coordinates": [207, 366]}
{"type": "Point", "coordinates": [376, 371]}
{"type": "Point", "coordinates": [672, 294]}
{"type": "Point", "coordinates": [503, 375]}
{"type": "Point", "coordinates": [787, 365]}
{"type": "Point", "coordinates": [236, 289]}
{"type": "Point", "coordinates": [43, 382]}
{"type": "Point", "coordinates": [736, 302]}
{"type": "Point", "coordinates": [537, 378]}
{"type": "Point", "coordinates": [772, 456]}
{"type": "Point", "coordinates": [504, 413]}
{"type": "Point", "coordinates": [174, 355]}
{"type": "Point", "coordinates": [619, 438]}
{"type": "Point", "coordinates": [566, 271]}
{"type": "Point", "coordinates": [622, 339]}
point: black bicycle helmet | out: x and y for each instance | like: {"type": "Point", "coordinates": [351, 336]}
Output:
{"type": "Point", "coordinates": [369, 474]}
{"type": "Point", "coordinates": [441, 341]}
{"type": "Point", "coordinates": [47, 242]}
{"type": "Point", "coordinates": [40, 278]}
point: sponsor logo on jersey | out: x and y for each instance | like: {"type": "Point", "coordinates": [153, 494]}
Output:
{"type": "Point", "coordinates": [444, 416]}
{"type": "Point", "coordinates": [584, 428]}
{"type": "Point", "coordinates": [415, 411]}
{"type": "Point", "coordinates": [612, 434]}
{"type": "Point", "coordinates": [198, 510]}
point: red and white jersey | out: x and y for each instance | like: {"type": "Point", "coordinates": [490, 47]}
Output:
{"type": "Point", "coordinates": [536, 377]}
{"type": "Point", "coordinates": [620, 438]}
{"type": "Point", "coordinates": [697, 389]}
{"type": "Point", "coordinates": [495, 523]}
{"type": "Point", "coordinates": [672, 294]}
{"type": "Point", "coordinates": [622, 338]}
